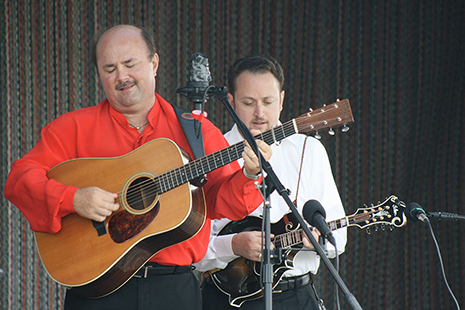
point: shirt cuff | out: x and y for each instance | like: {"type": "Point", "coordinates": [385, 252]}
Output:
{"type": "Point", "coordinates": [223, 246]}
{"type": "Point", "coordinates": [250, 176]}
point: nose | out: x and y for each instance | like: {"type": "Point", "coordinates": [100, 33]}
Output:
{"type": "Point", "coordinates": [259, 110]}
{"type": "Point", "coordinates": [122, 74]}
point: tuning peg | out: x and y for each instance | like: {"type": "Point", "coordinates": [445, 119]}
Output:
{"type": "Point", "coordinates": [391, 228]}
{"type": "Point", "coordinates": [368, 230]}
{"type": "Point", "coordinates": [310, 110]}
{"type": "Point", "coordinates": [345, 128]}
{"type": "Point", "coordinates": [376, 227]}
{"type": "Point", "coordinates": [383, 227]}
{"type": "Point", "coordinates": [331, 132]}
{"type": "Point", "coordinates": [317, 135]}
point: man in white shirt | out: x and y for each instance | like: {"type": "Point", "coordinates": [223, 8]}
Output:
{"type": "Point", "coordinates": [301, 163]}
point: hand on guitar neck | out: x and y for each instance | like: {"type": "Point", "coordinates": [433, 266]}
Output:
{"type": "Point", "coordinates": [248, 244]}
{"type": "Point", "coordinates": [251, 162]}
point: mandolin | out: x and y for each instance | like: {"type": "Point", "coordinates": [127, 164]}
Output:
{"type": "Point", "coordinates": [240, 280]}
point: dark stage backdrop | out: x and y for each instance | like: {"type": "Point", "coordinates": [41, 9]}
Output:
{"type": "Point", "coordinates": [401, 64]}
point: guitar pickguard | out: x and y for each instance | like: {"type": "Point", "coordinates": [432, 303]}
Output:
{"type": "Point", "coordinates": [124, 225]}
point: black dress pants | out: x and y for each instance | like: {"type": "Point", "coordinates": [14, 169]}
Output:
{"type": "Point", "coordinates": [300, 298]}
{"type": "Point", "coordinates": [161, 292]}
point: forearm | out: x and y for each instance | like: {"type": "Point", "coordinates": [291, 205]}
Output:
{"type": "Point", "coordinates": [44, 202]}
{"type": "Point", "coordinates": [219, 253]}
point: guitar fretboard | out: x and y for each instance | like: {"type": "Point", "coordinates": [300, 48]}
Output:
{"type": "Point", "coordinates": [201, 166]}
{"type": "Point", "coordinates": [336, 114]}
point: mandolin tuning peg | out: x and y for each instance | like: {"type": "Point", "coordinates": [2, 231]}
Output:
{"type": "Point", "coordinates": [383, 227]}
{"type": "Point", "coordinates": [345, 128]}
{"type": "Point", "coordinates": [391, 228]}
{"type": "Point", "coordinates": [317, 136]}
{"type": "Point", "coordinates": [310, 110]}
{"type": "Point", "coordinates": [376, 227]}
{"type": "Point", "coordinates": [331, 132]}
{"type": "Point", "coordinates": [368, 230]}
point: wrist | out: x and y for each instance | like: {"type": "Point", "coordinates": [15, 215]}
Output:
{"type": "Point", "coordinates": [250, 176]}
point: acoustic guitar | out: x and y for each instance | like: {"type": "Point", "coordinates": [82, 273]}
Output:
{"type": "Point", "coordinates": [159, 207]}
{"type": "Point", "coordinates": [240, 280]}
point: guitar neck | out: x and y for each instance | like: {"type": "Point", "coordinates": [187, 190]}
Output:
{"type": "Point", "coordinates": [333, 115]}
{"type": "Point", "coordinates": [204, 165]}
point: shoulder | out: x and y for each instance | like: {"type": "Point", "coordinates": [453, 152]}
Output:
{"type": "Point", "coordinates": [78, 118]}
{"type": "Point", "coordinates": [209, 128]}
{"type": "Point", "coordinates": [233, 136]}
{"type": "Point", "coordinates": [92, 111]}
{"type": "Point", "coordinates": [299, 140]}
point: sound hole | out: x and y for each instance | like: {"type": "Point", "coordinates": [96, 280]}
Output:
{"type": "Point", "coordinates": [141, 193]}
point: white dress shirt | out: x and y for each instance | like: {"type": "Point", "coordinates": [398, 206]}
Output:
{"type": "Point", "coordinates": [316, 182]}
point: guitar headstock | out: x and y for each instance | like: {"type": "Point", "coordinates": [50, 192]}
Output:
{"type": "Point", "coordinates": [329, 116]}
{"type": "Point", "coordinates": [390, 213]}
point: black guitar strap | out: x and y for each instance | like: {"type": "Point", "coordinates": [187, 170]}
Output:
{"type": "Point", "coordinates": [196, 144]}
{"type": "Point", "coordinates": [187, 124]}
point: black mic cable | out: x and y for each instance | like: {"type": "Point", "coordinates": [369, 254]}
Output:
{"type": "Point", "coordinates": [416, 213]}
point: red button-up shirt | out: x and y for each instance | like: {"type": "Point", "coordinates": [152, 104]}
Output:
{"type": "Point", "coordinates": [101, 131]}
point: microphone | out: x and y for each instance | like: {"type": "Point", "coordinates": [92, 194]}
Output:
{"type": "Point", "coordinates": [445, 216]}
{"type": "Point", "coordinates": [196, 91]}
{"type": "Point", "coordinates": [315, 215]}
{"type": "Point", "coordinates": [415, 212]}
{"type": "Point", "coordinates": [198, 81]}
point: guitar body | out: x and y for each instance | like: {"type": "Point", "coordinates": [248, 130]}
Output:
{"type": "Point", "coordinates": [241, 278]}
{"type": "Point", "coordinates": [96, 263]}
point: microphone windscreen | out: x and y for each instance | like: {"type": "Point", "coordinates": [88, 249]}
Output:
{"type": "Point", "coordinates": [310, 208]}
{"type": "Point", "coordinates": [412, 210]}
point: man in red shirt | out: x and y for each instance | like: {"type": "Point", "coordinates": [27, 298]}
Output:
{"type": "Point", "coordinates": [132, 115]}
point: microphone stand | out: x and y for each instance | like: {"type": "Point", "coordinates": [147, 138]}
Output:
{"type": "Point", "coordinates": [268, 254]}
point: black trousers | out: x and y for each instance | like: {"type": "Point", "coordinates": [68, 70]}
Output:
{"type": "Point", "coordinates": [161, 292]}
{"type": "Point", "coordinates": [300, 298]}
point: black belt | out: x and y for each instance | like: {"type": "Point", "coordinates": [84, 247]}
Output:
{"type": "Point", "coordinates": [290, 283]}
{"type": "Point", "coordinates": [153, 269]}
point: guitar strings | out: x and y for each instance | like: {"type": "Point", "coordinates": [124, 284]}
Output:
{"type": "Point", "coordinates": [178, 176]}
{"type": "Point", "coordinates": [175, 176]}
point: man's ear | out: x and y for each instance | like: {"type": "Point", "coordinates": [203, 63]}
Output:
{"type": "Point", "coordinates": [155, 61]}
{"type": "Point", "coordinates": [282, 101]}
{"type": "Point", "coordinates": [231, 100]}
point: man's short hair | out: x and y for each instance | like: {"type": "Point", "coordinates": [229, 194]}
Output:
{"type": "Point", "coordinates": [260, 63]}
